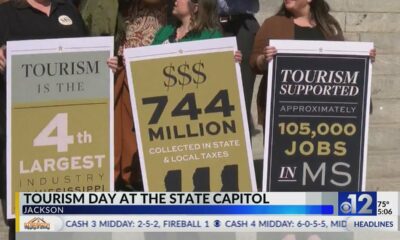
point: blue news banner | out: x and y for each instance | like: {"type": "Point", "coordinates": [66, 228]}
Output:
{"type": "Point", "coordinates": [208, 212]}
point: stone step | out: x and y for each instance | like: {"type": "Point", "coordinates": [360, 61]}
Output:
{"type": "Point", "coordinates": [381, 166]}
{"type": "Point", "coordinates": [383, 184]}
{"type": "Point", "coordinates": [372, 22]}
{"type": "Point", "coordinates": [385, 43]}
{"type": "Point", "coordinates": [385, 87]}
{"type": "Point", "coordinates": [384, 138]}
{"type": "Point", "coordinates": [386, 111]}
{"type": "Point", "coordinates": [386, 65]}
{"type": "Point", "coordinates": [365, 6]}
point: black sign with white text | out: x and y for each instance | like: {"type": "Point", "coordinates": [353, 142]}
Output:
{"type": "Point", "coordinates": [317, 121]}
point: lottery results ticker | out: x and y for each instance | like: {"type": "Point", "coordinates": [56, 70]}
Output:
{"type": "Point", "coordinates": [207, 212]}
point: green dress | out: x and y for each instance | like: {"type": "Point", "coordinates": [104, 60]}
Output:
{"type": "Point", "coordinates": [165, 33]}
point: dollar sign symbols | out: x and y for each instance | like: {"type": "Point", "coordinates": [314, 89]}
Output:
{"type": "Point", "coordinates": [171, 79]}
{"type": "Point", "coordinates": [201, 76]}
{"type": "Point", "coordinates": [186, 78]}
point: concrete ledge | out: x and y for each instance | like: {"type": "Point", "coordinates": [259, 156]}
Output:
{"type": "Point", "coordinates": [372, 22]}
{"type": "Point", "coordinates": [386, 65]}
{"type": "Point", "coordinates": [384, 138]}
{"type": "Point", "coordinates": [392, 6]}
{"type": "Point", "coordinates": [386, 112]}
{"type": "Point", "coordinates": [381, 166]}
{"type": "Point", "coordinates": [385, 43]}
{"type": "Point", "coordinates": [385, 87]}
{"type": "Point", "coordinates": [383, 184]}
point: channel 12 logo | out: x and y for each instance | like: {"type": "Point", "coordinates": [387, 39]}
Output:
{"type": "Point", "coordinates": [357, 204]}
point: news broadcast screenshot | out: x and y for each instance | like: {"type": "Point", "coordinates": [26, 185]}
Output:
{"type": "Point", "coordinates": [199, 119]}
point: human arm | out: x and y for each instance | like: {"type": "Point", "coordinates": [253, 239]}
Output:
{"type": "Point", "coordinates": [3, 39]}
{"type": "Point", "coordinates": [372, 55]}
{"type": "Point", "coordinates": [112, 63]}
{"type": "Point", "coordinates": [2, 59]}
{"type": "Point", "coordinates": [258, 62]}
{"type": "Point", "coordinates": [238, 56]}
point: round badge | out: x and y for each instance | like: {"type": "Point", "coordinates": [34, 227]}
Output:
{"type": "Point", "coordinates": [65, 20]}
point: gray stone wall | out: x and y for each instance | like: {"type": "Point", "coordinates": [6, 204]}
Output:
{"type": "Point", "coordinates": [378, 22]}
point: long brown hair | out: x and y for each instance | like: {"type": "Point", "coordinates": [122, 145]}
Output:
{"type": "Point", "coordinates": [206, 16]}
{"type": "Point", "coordinates": [320, 13]}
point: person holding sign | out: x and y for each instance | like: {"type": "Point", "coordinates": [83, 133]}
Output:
{"type": "Point", "coordinates": [296, 20]}
{"type": "Point", "coordinates": [31, 19]}
{"type": "Point", "coordinates": [197, 20]}
{"type": "Point", "coordinates": [142, 19]}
